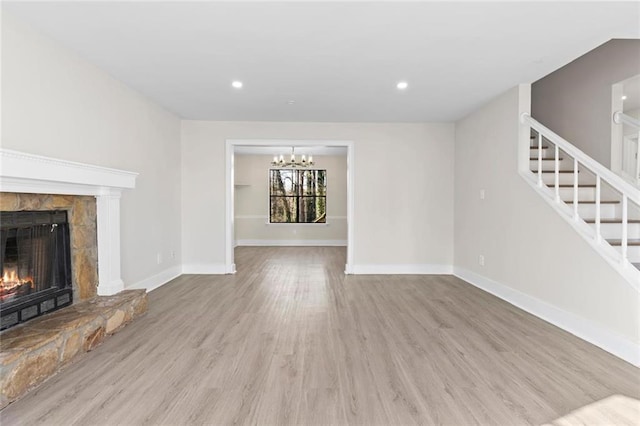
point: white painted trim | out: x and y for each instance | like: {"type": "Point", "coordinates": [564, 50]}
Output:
{"type": "Point", "coordinates": [587, 330]}
{"type": "Point", "coordinates": [329, 222]}
{"type": "Point", "coordinates": [24, 167]}
{"type": "Point", "coordinates": [35, 174]}
{"type": "Point", "coordinates": [229, 207]}
{"type": "Point", "coordinates": [617, 134]}
{"type": "Point", "coordinates": [265, 217]}
{"type": "Point", "coordinates": [206, 268]}
{"type": "Point", "coordinates": [399, 269]}
{"type": "Point", "coordinates": [108, 238]}
{"type": "Point", "coordinates": [293, 243]}
{"type": "Point", "coordinates": [158, 280]}
{"type": "Point", "coordinates": [230, 144]}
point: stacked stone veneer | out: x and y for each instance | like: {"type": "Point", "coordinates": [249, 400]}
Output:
{"type": "Point", "coordinates": [82, 227]}
{"type": "Point", "coordinates": [32, 352]}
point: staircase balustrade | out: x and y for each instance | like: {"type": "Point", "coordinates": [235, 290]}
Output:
{"type": "Point", "coordinates": [629, 195]}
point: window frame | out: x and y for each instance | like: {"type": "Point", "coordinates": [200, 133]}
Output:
{"type": "Point", "coordinates": [297, 197]}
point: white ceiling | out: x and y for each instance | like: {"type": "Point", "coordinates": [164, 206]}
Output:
{"type": "Point", "coordinates": [339, 61]}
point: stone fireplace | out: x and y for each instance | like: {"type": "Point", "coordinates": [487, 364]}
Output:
{"type": "Point", "coordinates": [91, 194]}
{"type": "Point", "coordinates": [69, 220]}
{"type": "Point", "coordinates": [49, 204]}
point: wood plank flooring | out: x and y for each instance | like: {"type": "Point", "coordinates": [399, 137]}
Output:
{"type": "Point", "coordinates": [289, 340]}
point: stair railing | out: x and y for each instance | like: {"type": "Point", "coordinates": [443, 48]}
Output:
{"type": "Point", "coordinates": [602, 174]}
{"type": "Point", "coordinates": [621, 118]}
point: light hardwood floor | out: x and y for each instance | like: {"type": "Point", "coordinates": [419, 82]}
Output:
{"type": "Point", "coordinates": [290, 340]}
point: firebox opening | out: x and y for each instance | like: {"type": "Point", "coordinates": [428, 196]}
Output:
{"type": "Point", "coordinates": [35, 260]}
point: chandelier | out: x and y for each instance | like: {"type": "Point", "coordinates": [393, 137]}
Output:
{"type": "Point", "coordinates": [279, 161]}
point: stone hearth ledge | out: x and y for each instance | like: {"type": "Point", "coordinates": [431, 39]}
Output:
{"type": "Point", "coordinates": [32, 352]}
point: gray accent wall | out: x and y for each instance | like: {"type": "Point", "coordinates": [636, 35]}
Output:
{"type": "Point", "coordinates": [575, 100]}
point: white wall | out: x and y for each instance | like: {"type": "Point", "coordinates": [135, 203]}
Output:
{"type": "Point", "coordinates": [58, 105]}
{"type": "Point", "coordinates": [530, 252]}
{"type": "Point", "coordinates": [403, 189]}
{"type": "Point", "coordinates": [252, 205]}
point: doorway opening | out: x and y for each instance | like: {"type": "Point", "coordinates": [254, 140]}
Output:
{"type": "Point", "coordinates": [625, 129]}
{"type": "Point", "coordinates": [255, 211]}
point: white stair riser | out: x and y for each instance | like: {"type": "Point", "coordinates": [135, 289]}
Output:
{"type": "Point", "coordinates": [567, 178]}
{"type": "Point", "coordinates": [584, 194]}
{"type": "Point", "coordinates": [550, 165]}
{"type": "Point", "coordinates": [607, 211]}
{"type": "Point", "coordinates": [546, 153]}
{"type": "Point", "coordinates": [633, 253]}
{"type": "Point", "coordinates": [613, 231]}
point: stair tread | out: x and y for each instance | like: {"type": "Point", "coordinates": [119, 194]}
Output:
{"type": "Point", "coordinates": [545, 159]}
{"type": "Point", "coordinates": [593, 202]}
{"type": "Point", "coordinates": [553, 171]}
{"type": "Point", "coordinates": [543, 147]}
{"type": "Point", "coordinates": [612, 221]}
{"type": "Point", "coordinates": [630, 242]}
{"type": "Point", "coordinates": [570, 185]}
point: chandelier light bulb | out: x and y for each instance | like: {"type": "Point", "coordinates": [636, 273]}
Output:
{"type": "Point", "coordinates": [305, 161]}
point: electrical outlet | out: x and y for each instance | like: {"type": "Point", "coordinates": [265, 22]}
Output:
{"type": "Point", "coordinates": [173, 255]}
{"type": "Point", "coordinates": [159, 258]}
{"type": "Point", "coordinates": [482, 194]}
{"type": "Point", "coordinates": [481, 260]}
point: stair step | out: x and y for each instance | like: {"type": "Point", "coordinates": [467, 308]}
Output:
{"type": "Point", "coordinates": [634, 243]}
{"type": "Point", "coordinates": [607, 211]}
{"type": "Point", "coordinates": [633, 248]}
{"type": "Point", "coordinates": [611, 228]}
{"type": "Point", "coordinates": [593, 202]}
{"type": "Point", "coordinates": [619, 221]}
{"type": "Point", "coordinates": [570, 185]}
{"type": "Point", "coordinates": [553, 171]}
{"type": "Point", "coordinates": [566, 178]}
{"type": "Point", "coordinates": [545, 159]}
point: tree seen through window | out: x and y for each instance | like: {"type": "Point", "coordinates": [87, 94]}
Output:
{"type": "Point", "coordinates": [298, 196]}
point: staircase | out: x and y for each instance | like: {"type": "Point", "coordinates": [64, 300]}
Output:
{"type": "Point", "coordinates": [601, 206]}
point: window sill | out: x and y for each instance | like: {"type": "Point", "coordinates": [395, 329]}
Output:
{"type": "Point", "coordinates": [296, 224]}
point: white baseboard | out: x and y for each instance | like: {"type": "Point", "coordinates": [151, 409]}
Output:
{"type": "Point", "coordinates": [204, 268]}
{"type": "Point", "coordinates": [157, 280]}
{"type": "Point", "coordinates": [574, 324]}
{"type": "Point", "coordinates": [420, 269]}
{"type": "Point", "coordinates": [294, 243]}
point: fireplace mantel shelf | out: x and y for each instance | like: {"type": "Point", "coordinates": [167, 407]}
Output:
{"type": "Point", "coordinates": [19, 172]}
{"type": "Point", "coordinates": [35, 174]}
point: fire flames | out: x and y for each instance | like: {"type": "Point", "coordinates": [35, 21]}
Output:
{"type": "Point", "coordinates": [12, 285]}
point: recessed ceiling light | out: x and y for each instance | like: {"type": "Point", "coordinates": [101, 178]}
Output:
{"type": "Point", "coordinates": [291, 102]}
{"type": "Point", "coordinates": [237, 84]}
{"type": "Point", "coordinates": [402, 85]}
{"type": "Point", "coordinates": [624, 97]}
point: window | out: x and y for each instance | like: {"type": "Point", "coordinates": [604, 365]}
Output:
{"type": "Point", "coordinates": [298, 196]}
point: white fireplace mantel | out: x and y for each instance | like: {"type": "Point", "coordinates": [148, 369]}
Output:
{"type": "Point", "coordinates": [35, 174]}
